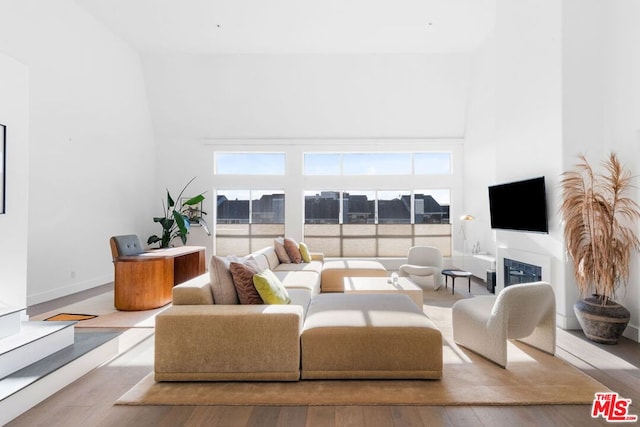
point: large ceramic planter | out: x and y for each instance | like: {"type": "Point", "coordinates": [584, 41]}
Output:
{"type": "Point", "coordinates": [601, 323]}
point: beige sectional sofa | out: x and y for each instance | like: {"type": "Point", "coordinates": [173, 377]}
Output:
{"type": "Point", "coordinates": [207, 336]}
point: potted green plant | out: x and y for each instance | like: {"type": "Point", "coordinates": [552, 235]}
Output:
{"type": "Point", "coordinates": [178, 218]}
{"type": "Point", "coordinates": [600, 238]}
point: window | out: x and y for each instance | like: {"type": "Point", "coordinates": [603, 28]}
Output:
{"type": "Point", "coordinates": [347, 198]}
{"type": "Point", "coordinates": [267, 207]}
{"type": "Point", "coordinates": [394, 207]}
{"type": "Point", "coordinates": [248, 220]}
{"type": "Point", "coordinates": [233, 207]}
{"type": "Point", "coordinates": [322, 164]}
{"type": "Point", "coordinates": [431, 206]}
{"type": "Point", "coordinates": [322, 207]}
{"type": "Point", "coordinates": [377, 223]}
{"type": "Point", "coordinates": [367, 164]}
{"type": "Point", "coordinates": [359, 207]}
{"type": "Point", "coordinates": [377, 164]}
{"type": "Point", "coordinates": [249, 163]}
{"type": "Point", "coordinates": [432, 163]}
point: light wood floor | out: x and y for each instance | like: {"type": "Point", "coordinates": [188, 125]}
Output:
{"type": "Point", "coordinates": [89, 401]}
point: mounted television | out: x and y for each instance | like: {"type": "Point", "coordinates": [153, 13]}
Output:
{"type": "Point", "coordinates": [519, 205]}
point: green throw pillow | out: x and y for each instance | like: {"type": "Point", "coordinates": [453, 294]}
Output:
{"type": "Point", "coordinates": [271, 288]}
{"type": "Point", "coordinates": [304, 251]}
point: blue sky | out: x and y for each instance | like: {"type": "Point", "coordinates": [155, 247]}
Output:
{"type": "Point", "coordinates": [431, 163]}
{"type": "Point", "coordinates": [330, 163]}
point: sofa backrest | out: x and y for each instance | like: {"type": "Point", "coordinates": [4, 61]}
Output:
{"type": "Point", "coordinates": [269, 254]}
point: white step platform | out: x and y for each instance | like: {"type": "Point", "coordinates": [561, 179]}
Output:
{"type": "Point", "coordinates": [35, 341]}
{"type": "Point", "coordinates": [10, 321]}
{"type": "Point", "coordinates": [29, 386]}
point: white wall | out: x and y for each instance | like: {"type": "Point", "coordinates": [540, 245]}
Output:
{"type": "Point", "coordinates": [529, 122]}
{"type": "Point", "coordinates": [14, 114]}
{"type": "Point", "coordinates": [199, 103]}
{"type": "Point", "coordinates": [621, 114]}
{"type": "Point", "coordinates": [566, 82]}
{"type": "Point", "coordinates": [92, 157]}
{"type": "Point", "coordinates": [514, 129]}
{"type": "Point", "coordinates": [583, 103]}
{"type": "Point", "coordinates": [480, 151]}
{"type": "Point", "coordinates": [601, 102]}
{"type": "Point", "coordinates": [318, 96]}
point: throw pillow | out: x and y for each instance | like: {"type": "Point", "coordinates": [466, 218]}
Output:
{"type": "Point", "coordinates": [304, 252]}
{"type": "Point", "coordinates": [270, 288]}
{"type": "Point", "coordinates": [293, 250]}
{"type": "Point", "coordinates": [242, 274]}
{"type": "Point", "coordinates": [221, 282]}
{"type": "Point", "coordinates": [281, 252]}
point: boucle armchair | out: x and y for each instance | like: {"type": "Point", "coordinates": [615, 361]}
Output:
{"type": "Point", "coordinates": [525, 312]}
{"type": "Point", "coordinates": [424, 261]}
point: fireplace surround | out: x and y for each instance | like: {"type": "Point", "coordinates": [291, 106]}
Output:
{"type": "Point", "coordinates": [518, 266]}
{"type": "Point", "coordinates": [520, 272]}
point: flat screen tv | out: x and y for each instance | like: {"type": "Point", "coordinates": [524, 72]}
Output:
{"type": "Point", "coordinates": [519, 205]}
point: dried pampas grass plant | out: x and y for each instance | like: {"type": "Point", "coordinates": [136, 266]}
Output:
{"type": "Point", "coordinates": [598, 231]}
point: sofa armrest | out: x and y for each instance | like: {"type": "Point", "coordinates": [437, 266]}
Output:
{"type": "Point", "coordinates": [317, 256]}
{"type": "Point", "coordinates": [195, 291]}
{"type": "Point", "coordinates": [228, 342]}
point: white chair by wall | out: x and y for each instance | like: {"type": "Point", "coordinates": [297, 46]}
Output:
{"type": "Point", "coordinates": [526, 312]}
{"type": "Point", "coordinates": [422, 262]}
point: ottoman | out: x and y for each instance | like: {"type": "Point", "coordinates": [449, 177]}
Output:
{"type": "Point", "coordinates": [334, 272]}
{"type": "Point", "coordinates": [369, 336]}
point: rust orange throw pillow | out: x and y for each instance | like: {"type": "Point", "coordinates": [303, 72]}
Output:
{"type": "Point", "coordinates": [293, 250]}
{"type": "Point", "coordinates": [243, 281]}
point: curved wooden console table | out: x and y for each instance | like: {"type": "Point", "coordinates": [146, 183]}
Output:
{"type": "Point", "coordinates": [146, 281]}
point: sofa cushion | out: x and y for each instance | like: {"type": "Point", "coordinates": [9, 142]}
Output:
{"type": "Point", "coordinates": [311, 266]}
{"type": "Point", "coordinates": [281, 252]}
{"type": "Point", "coordinates": [242, 274]}
{"type": "Point", "coordinates": [359, 336]}
{"type": "Point", "coordinates": [270, 254]}
{"type": "Point", "coordinates": [270, 288]}
{"type": "Point", "coordinates": [293, 250]}
{"type": "Point", "coordinates": [227, 343]}
{"type": "Point", "coordinates": [300, 280]}
{"type": "Point", "coordinates": [304, 252]}
{"type": "Point", "coordinates": [221, 282]}
{"type": "Point", "coordinates": [260, 261]}
{"type": "Point", "coordinates": [301, 297]}
{"type": "Point", "coordinates": [334, 272]}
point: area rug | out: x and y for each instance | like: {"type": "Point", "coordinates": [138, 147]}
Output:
{"type": "Point", "coordinates": [70, 317]}
{"type": "Point", "coordinates": [531, 378]}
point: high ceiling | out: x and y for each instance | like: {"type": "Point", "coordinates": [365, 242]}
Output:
{"type": "Point", "coordinates": [297, 26]}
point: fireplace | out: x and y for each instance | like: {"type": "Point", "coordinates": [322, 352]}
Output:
{"type": "Point", "coordinates": [517, 266]}
{"type": "Point", "coordinates": [520, 272]}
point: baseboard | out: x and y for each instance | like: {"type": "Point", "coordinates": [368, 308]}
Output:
{"type": "Point", "coordinates": [67, 290]}
{"type": "Point", "coordinates": [632, 332]}
{"type": "Point", "coordinates": [571, 323]}
{"type": "Point", "coordinates": [567, 322]}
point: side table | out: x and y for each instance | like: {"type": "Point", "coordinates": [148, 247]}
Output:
{"type": "Point", "coordinates": [453, 274]}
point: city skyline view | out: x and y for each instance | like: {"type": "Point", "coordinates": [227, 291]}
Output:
{"type": "Point", "coordinates": [333, 207]}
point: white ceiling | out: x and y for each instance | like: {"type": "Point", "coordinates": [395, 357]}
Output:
{"type": "Point", "coordinates": [297, 26]}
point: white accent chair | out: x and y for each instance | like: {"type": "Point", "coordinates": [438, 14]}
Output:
{"type": "Point", "coordinates": [422, 262]}
{"type": "Point", "coordinates": [526, 312]}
